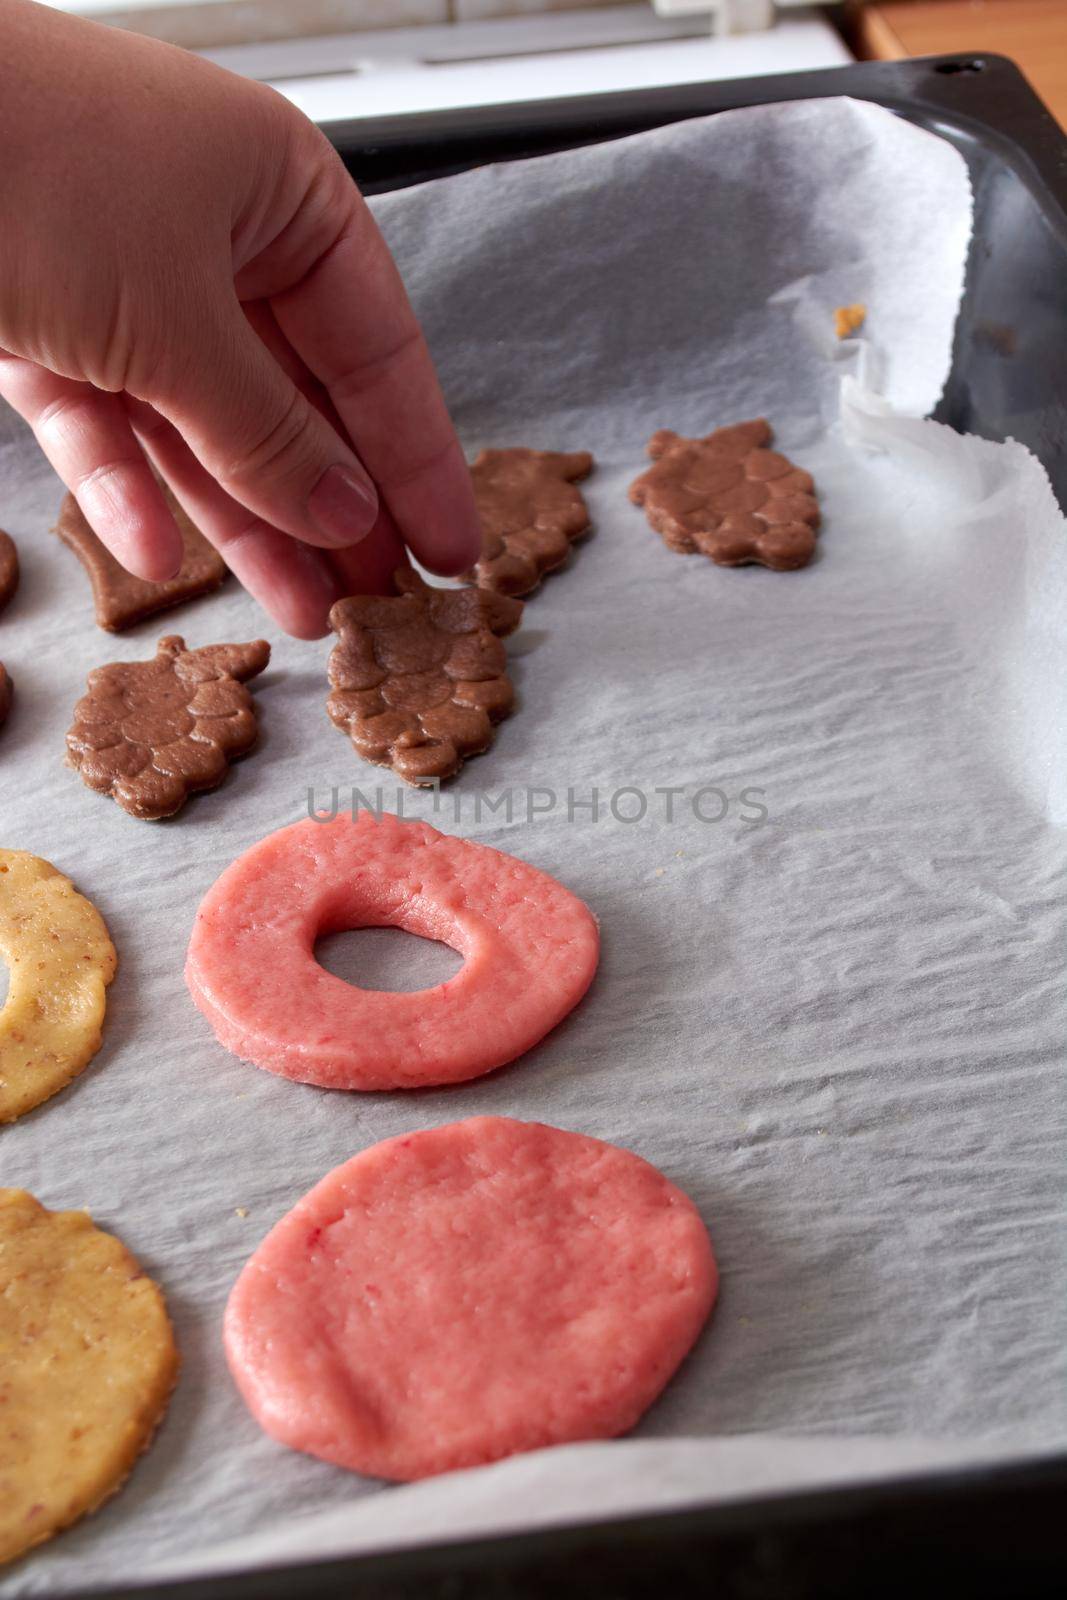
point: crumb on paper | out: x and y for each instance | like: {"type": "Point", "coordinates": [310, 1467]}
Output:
{"type": "Point", "coordinates": [240, 1211]}
{"type": "Point", "coordinates": [999, 336]}
{"type": "Point", "coordinates": [660, 871]}
{"type": "Point", "coordinates": [849, 319]}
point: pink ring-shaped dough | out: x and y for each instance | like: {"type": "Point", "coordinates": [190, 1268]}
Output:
{"type": "Point", "coordinates": [530, 949]}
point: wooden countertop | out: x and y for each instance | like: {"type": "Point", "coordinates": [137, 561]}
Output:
{"type": "Point", "coordinates": [1032, 32]}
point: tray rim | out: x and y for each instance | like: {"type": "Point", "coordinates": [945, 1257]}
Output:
{"type": "Point", "coordinates": [941, 93]}
{"type": "Point", "coordinates": [928, 1519]}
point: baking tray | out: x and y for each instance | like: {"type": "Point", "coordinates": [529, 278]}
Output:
{"type": "Point", "coordinates": [1009, 371]}
{"type": "Point", "coordinates": [986, 1532]}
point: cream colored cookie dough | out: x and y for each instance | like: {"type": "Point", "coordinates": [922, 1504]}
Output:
{"type": "Point", "coordinates": [87, 1363]}
{"type": "Point", "coordinates": [60, 960]}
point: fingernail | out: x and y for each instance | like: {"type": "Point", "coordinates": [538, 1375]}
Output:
{"type": "Point", "coordinates": [343, 505]}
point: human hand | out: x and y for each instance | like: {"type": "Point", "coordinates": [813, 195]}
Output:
{"type": "Point", "coordinates": [188, 272]}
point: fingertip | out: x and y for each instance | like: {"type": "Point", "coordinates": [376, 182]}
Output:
{"type": "Point", "coordinates": [455, 559]}
{"type": "Point", "coordinates": [301, 609]}
{"type": "Point", "coordinates": [127, 512]}
{"type": "Point", "coordinates": [308, 632]}
{"type": "Point", "coordinates": [302, 613]}
{"type": "Point", "coordinates": [295, 583]}
{"type": "Point", "coordinates": [439, 518]}
{"type": "Point", "coordinates": [292, 581]}
{"type": "Point", "coordinates": [368, 568]}
{"type": "Point", "coordinates": [156, 566]}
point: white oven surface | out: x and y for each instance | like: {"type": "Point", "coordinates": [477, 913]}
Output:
{"type": "Point", "coordinates": [522, 58]}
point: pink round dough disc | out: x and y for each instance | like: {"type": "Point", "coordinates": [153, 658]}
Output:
{"type": "Point", "coordinates": [530, 949]}
{"type": "Point", "coordinates": [450, 1297]}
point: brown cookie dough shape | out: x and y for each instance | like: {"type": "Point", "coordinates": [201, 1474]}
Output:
{"type": "Point", "coordinates": [150, 733]}
{"type": "Point", "coordinates": [419, 679]}
{"type": "Point", "coordinates": [531, 513]}
{"type": "Point", "coordinates": [729, 497]}
{"type": "Point", "coordinates": [9, 568]}
{"type": "Point", "coordinates": [120, 598]}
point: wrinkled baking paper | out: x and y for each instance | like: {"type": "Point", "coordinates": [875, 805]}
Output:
{"type": "Point", "coordinates": [830, 1003]}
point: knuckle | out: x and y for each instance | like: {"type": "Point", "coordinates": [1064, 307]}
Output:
{"type": "Point", "coordinates": [355, 381]}
{"type": "Point", "coordinates": [65, 417]}
{"type": "Point", "coordinates": [278, 452]}
{"type": "Point", "coordinates": [417, 465]}
{"type": "Point", "coordinates": [102, 474]}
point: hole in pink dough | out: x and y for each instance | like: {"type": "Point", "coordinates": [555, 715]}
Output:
{"type": "Point", "coordinates": [388, 959]}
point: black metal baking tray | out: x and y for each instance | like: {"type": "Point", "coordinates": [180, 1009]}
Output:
{"type": "Point", "coordinates": [984, 1533]}
{"type": "Point", "coordinates": [1009, 372]}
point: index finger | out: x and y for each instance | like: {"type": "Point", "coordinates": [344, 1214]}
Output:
{"type": "Point", "coordinates": [350, 320]}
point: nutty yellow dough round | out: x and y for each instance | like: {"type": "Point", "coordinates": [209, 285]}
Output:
{"type": "Point", "coordinates": [87, 1363]}
{"type": "Point", "coordinates": [60, 961]}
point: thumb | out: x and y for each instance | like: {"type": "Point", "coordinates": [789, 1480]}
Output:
{"type": "Point", "coordinates": [250, 426]}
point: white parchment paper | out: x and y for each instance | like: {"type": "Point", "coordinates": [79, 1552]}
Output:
{"type": "Point", "coordinates": [835, 1016]}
